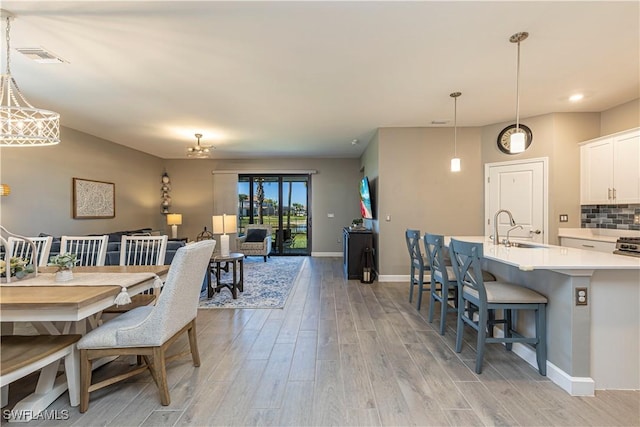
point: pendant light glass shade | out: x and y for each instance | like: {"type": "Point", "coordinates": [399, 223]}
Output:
{"type": "Point", "coordinates": [455, 162]}
{"type": "Point", "coordinates": [516, 142]}
{"type": "Point", "coordinates": [517, 139]}
{"type": "Point", "coordinates": [22, 124]}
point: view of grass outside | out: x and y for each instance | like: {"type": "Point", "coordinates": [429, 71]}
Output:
{"type": "Point", "coordinates": [298, 229]}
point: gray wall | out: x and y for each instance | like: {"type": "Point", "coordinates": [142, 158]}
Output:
{"type": "Point", "coordinates": [41, 185]}
{"type": "Point", "coordinates": [198, 193]}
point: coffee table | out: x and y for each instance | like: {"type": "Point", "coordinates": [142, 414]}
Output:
{"type": "Point", "coordinates": [237, 281]}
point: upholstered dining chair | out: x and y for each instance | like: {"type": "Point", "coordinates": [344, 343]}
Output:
{"type": "Point", "coordinates": [21, 248]}
{"type": "Point", "coordinates": [91, 250]}
{"type": "Point", "coordinates": [149, 331]}
{"type": "Point", "coordinates": [466, 259]}
{"type": "Point", "coordinates": [418, 265]}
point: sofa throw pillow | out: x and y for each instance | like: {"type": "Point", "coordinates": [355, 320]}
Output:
{"type": "Point", "coordinates": [256, 235]}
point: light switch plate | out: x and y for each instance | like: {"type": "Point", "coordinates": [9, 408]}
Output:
{"type": "Point", "coordinates": [564, 218]}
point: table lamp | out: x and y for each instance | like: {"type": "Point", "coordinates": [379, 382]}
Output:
{"type": "Point", "coordinates": [174, 220]}
{"type": "Point", "coordinates": [223, 224]}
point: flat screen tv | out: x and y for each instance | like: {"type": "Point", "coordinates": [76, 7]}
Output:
{"type": "Point", "coordinates": [365, 199]}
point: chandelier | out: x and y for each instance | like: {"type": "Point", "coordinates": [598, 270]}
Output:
{"type": "Point", "coordinates": [199, 151]}
{"type": "Point", "coordinates": [21, 124]}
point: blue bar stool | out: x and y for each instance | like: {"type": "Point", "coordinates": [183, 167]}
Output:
{"type": "Point", "coordinates": [466, 261]}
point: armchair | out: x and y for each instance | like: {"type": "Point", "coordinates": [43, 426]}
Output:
{"type": "Point", "coordinates": [256, 241]}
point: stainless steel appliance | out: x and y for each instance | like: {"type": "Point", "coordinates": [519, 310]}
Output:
{"type": "Point", "coordinates": [628, 246]}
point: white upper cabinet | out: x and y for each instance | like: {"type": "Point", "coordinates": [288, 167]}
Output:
{"type": "Point", "coordinates": [610, 169]}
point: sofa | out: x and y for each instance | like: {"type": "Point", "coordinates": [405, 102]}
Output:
{"type": "Point", "coordinates": [113, 248]}
{"type": "Point", "coordinates": [256, 241]}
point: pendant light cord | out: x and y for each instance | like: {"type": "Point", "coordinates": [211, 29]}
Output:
{"type": "Point", "coordinates": [455, 126]}
{"type": "Point", "coordinates": [8, 39]}
{"type": "Point", "coordinates": [518, 90]}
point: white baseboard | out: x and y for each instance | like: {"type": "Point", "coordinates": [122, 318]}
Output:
{"type": "Point", "coordinates": [393, 278]}
{"type": "Point", "coordinates": [575, 386]}
{"type": "Point", "coordinates": [327, 254]}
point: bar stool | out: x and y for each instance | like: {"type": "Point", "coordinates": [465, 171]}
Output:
{"type": "Point", "coordinates": [443, 279]}
{"type": "Point", "coordinates": [466, 259]}
{"type": "Point", "coordinates": [418, 265]}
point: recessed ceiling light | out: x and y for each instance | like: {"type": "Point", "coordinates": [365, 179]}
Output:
{"type": "Point", "coordinates": [355, 142]}
{"type": "Point", "coordinates": [576, 97]}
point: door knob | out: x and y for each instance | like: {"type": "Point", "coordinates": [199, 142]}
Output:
{"type": "Point", "coordinates": [535, 232]}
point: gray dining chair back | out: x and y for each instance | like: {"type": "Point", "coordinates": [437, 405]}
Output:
{"type": "Point", "coordinates": [91, 250]}
{"type": "Point", "coordinates": [496, 297]}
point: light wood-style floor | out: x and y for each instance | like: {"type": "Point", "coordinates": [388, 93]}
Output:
{"type": "Point", "coordinates": [341, 353]}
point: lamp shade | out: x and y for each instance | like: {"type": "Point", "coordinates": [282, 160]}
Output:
{"type": "Point", "coordinates": [223, 224]}
{"type": "Point", "coordinates": [517, 142]}
{"type": "Point", "coordinates": [174, 219]}
{"type": "Point", "coordinates": [5, 190]}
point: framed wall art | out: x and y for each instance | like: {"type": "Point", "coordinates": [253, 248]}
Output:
{"type": "Point", "coordinates": [93, 199]}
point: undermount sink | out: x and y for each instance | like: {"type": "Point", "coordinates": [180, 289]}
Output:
{"type": "Point", "coordinates": [525, 245]}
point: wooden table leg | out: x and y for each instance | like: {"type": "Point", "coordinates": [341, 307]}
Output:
{"type": "Point", "coordinates": [234, 282]}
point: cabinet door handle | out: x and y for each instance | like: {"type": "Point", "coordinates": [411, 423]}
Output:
{"type": "Point", "coordinates": [588, 246]}
{"type": "Point", "coordinates": [614, 194]}
{"type": "Point", "coordinates": [608, 194]}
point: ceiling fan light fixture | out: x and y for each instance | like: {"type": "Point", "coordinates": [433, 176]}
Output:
{"type": "Point", "coordinates": [199, 151]}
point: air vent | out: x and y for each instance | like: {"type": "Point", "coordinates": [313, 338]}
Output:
{"type": "Point", "coordinates": [40, 55]}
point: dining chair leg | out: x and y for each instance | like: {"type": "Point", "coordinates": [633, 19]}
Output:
{"type": "Point", "coordinates": [411, 283]}
{"type": "Point", "coordinates": [420, 288]}
{"type": "Point", "coordinates": [159, 366]}
{"type": "Point", "coordinates": [508, 326]}
{"type": "Point", "coordinates": [432, 301]}
{"type": "Point", "coordinates": [193, 343]}
{"type": "Point", "coordinates": [444, 306]}
{"type": "Point", "coordinates": [85, 380]}
{"type": "Point", "coordinates": [460, 323]}
{"type": "Point", "coordinates": [541, 334]}
{"type": "Point", "coordinates": [482, 335]}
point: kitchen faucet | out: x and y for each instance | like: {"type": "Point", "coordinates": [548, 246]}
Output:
{"type": "Point", "coordinates": [507, 242]}
{"type": "Point", "coordinates": [496, 237]}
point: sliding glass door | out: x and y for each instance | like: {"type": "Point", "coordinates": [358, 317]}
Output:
{"type": "Point", "coordinates": [281, 201]}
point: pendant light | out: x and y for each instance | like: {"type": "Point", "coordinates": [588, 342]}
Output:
{"type": "Point", "coordinates": [517, 140]}
{"type": "Point", "coordinates": [22, 124]}
{"type": "Point", "coordinates": [455, 162]}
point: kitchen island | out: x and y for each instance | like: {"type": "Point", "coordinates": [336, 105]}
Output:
{"type": "Point", "coordinates": [591, 346]}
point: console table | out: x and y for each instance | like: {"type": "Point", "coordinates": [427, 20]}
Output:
{"type": "Point", "coordinates": [354, 244]}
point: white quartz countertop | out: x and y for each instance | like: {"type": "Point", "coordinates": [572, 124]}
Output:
{"type": "Point", "coordinates": [550, 257]}
{"type": "Point", "coordinates": [597, 234]}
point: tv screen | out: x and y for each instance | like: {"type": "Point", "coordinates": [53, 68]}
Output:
{"type": "Point", "coordinates": [365, 199]}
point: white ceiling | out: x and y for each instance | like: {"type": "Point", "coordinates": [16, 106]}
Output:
{"type": "Point", "coordinates": [304, 79]}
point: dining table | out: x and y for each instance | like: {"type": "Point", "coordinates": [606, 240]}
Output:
{"type": "Point", "coordinates": [62, 308]}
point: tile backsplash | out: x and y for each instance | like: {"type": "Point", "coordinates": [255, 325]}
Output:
{"type": "Point", "coordinates": [619, 217]}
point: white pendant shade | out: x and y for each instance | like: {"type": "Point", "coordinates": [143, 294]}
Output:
{"type": "Point", "coordinates": [517, 142]}
{"type": "Point", "coordinates": [455, 164]}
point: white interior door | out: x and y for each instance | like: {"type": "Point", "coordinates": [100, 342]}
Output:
{"type": "Point", "coordinates": [521, 188]}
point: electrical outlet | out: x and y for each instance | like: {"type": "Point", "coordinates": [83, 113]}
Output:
{"type": "Point", "coordinates": [581, 296]}
{"type": "Point", "coordinates": [564, 218]}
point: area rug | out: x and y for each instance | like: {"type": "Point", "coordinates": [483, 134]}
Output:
{"type": "Point", "coordinates": [266, 284]}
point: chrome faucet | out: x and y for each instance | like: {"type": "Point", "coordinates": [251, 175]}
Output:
{"type": "Point", "coordinates": [507, 242]}
{"type": "Point", "coordinates": [496, 236]}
